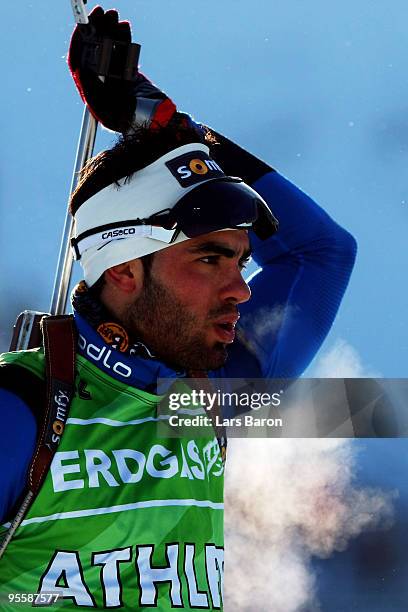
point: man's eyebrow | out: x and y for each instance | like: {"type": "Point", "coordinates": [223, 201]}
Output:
{"type": "Point", "coordinates": [220, 249]}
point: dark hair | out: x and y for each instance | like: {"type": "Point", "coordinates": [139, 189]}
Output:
{"type": "Point", "coordinates": [132, 153]}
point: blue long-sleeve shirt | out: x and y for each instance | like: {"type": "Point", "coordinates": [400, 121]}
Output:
{"type": "Point", "coordinates": [295, 298]}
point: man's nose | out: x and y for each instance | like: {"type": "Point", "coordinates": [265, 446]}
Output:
{"type": "Point", "coordinates": [235, 289]}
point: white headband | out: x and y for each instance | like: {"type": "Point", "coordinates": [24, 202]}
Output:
{"type": "Point", "coordinates": [157, 187]}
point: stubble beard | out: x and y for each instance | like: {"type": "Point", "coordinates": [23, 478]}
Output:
{"type": "Point", "coordinates": [164, 324]}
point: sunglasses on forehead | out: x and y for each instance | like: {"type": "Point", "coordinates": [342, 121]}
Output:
{"type": "Point", "coordinates": [219, 204]}
{"type": "Point", "coordinates": [223, 203]}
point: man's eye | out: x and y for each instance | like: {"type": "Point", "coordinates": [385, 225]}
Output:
{"type": "Point", "coordinates": [210, 259]}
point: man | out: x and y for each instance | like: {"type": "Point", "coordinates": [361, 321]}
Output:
{"type": "Point", "coordinates": [163, 231]}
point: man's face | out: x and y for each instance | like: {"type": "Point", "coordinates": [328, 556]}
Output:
{"type": "Point", "coordinates": [187, 309]}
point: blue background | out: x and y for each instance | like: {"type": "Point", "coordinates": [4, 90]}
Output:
{"type": "Point", "coordinates": [320, 91]}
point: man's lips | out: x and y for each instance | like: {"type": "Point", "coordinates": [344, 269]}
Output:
{"type": "Point", "coordinates": [225, 327]}
{"type": "Point", "coordinates": [229, 319]}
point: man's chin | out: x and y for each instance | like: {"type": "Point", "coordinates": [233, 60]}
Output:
{"type": "Point", "coordinates": [198, 357]}
{"type": "Point", "coordinates": [217, 357]}
{"type": "Point", "coordinates": [206, 359]}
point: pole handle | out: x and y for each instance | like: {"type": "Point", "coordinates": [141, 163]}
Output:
{"type": "Point", "coordinates": [78, 8]}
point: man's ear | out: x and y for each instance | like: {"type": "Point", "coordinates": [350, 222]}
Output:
{"type": "Point", "coordinates": [126, 277]}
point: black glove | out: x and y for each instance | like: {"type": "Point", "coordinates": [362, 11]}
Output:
{"type": "Point", "coordinates": [124, 99]}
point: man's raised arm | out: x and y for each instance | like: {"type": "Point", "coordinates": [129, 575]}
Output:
{"type": "Point", "coordinates": [306, 267]}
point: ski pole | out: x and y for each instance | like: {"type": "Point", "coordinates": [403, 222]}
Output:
{"type": "Point", "coordinates": [84, 152]}
{"type": "Point", "coordinates": [26, 331]}
{"type": "Point", "coordinates": [64, 268]}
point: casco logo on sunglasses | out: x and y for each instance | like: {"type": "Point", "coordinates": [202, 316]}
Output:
{"type": "Point", "coordinates": [118, 232]}
{"type": "Point", "coordinates": [189, 169]}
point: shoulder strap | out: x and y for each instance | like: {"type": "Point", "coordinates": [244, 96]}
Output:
{"type": "Point", "coordinates": [59, 338]}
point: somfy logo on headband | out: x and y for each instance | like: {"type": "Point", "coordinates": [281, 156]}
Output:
{"type": "Point", "coordinates": [193, 168]}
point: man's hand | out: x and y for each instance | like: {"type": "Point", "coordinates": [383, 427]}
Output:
{"type": "Point", "coordinates": [120, 104]}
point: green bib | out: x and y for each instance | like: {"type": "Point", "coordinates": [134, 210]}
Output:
{"type": "Point", "coordinates": [124, 519]}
